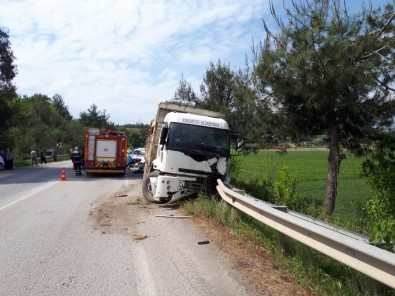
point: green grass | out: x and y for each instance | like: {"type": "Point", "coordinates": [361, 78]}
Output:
{"type": "Point", "coordinates": [311, 170]}
{"type": "Point", "coordinates": [137, 202]}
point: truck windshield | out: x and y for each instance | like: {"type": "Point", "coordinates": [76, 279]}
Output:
{"type": "Point", "coordinates": [200, 139]}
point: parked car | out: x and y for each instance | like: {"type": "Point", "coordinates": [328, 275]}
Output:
{"type": "Point", "coordinates": [2, 163]}
{"type": "Point", "coordinates": [49, 152]}
{"type": "Point", "coordinates": [135, 161]}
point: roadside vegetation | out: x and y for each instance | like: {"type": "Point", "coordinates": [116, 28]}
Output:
{"type": "Point", "coordinates": [40, 122]}
{"type": "Point", "coordinates": [312, 270]}
{"type": "Point", "coordinates": [297, 179]}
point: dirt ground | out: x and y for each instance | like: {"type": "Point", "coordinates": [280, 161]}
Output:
{"type": "Point", "coordinates": [256, 268]}
{"type": "Point", "coordinates": [254, 263]}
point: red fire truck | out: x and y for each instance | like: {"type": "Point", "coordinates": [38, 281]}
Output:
{"type": "Point", "coordinates": [105, 151]}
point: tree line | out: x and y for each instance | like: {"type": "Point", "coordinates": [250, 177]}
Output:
{"type": "Point", "coordinates": [322, 71]}
{"type": "Point", "coordinates": [38, 122]}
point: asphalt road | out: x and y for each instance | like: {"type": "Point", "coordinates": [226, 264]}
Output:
{"type": "Point", "coordinates": [83, 236]}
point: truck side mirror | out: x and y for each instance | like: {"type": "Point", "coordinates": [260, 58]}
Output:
{"type": "Point", "coordinates": [163, 135]}
{"type": "Point", "coordinates": [239, 145]}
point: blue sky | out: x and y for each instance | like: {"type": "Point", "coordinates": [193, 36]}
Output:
{"type": "Point", "coordinates": [126, 56]}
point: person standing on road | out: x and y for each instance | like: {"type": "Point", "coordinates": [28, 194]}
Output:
{"type": "Point", "coordinates": [10, 159]}
{"type": "Point", "coordinates": [77, 158]}
{"type": "Point", "coordinates": [6, 162]}
{"type": "Point", "coordinates": [42, 157]}
{"type": "Point", "coordinates": [34, 157]}
{"type": "Point", "coordinates": [55, 155]}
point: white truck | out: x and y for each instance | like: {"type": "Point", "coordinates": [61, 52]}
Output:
{"type": "Point", "coordinates": [187, 150]}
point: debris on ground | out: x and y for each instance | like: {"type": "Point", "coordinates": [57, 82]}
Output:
{"type": "Point", "coordinates": [203, 242]}
{"type": "Point", "coordinates": [172, 216]}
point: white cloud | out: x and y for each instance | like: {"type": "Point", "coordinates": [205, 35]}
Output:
{"type": "Point", "coordinates": [124, 56]}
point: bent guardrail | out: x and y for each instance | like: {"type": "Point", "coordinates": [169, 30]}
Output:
{"type": "Point", "coordinates": [342, 245]}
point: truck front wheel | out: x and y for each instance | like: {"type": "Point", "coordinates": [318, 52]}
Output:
{"type": "Point", "coordinates": [147, 188]}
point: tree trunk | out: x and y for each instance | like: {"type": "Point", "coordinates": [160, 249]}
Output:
{"type": "Point", "coordinates": [334, 160]}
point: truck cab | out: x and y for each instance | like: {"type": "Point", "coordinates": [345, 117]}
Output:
{"type": "Point", "coordinates": [192, 153]}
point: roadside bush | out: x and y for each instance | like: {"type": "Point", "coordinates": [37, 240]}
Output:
{"type": "Point", "coordinates": [284, 191]}
{"type": "Point", "coordinates": [380, 209]}
{"type": "Point", "coordinates": [381, 220]}
{"type": "Point", "coordinates": [234, 166]}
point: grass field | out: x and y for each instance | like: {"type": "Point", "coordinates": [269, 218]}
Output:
{"type": "Point", "coordinates": [311, 171]}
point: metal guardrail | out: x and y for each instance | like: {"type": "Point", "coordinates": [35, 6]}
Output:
{"type": "Point", "coordinates": [342, 245]}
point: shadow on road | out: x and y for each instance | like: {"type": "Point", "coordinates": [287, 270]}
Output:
{"type": "Point", "coordinates": [53, 172]}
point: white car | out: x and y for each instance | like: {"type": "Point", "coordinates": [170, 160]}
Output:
{"type": "Point", "coordinates": [139, 151]}
{"type": "Point", "coordinates": [2, 163]}
{"type": "Point", "coordinates": [135, 161]}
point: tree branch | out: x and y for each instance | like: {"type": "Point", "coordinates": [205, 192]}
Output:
{"type": "Point", "coordinates": [373, 53]}
{"type": "Point", "coordinates": [386, 25]}
{"type": "Point", "coordinates": [384, 84]}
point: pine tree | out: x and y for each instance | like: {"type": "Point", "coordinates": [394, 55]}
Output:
{"type": "Point", "coordinates": [327, 72]}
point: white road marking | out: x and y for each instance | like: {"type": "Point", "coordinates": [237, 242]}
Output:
{"type": "Point", "coordinates": [29, 194]}
{"type": "Point", "coordinates": [145, 282]}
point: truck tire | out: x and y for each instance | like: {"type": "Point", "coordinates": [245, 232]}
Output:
{"type": "Point", "coordinates": [147, 190]}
